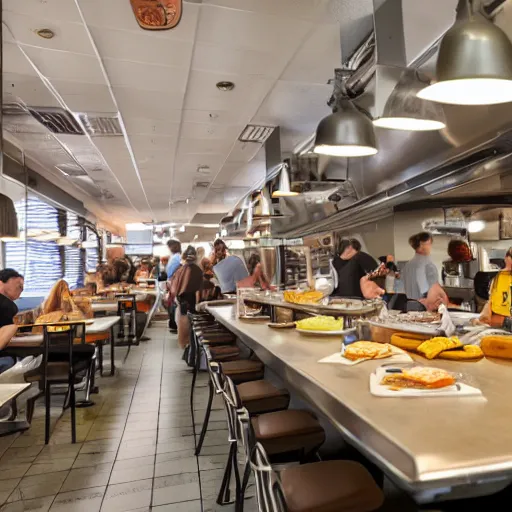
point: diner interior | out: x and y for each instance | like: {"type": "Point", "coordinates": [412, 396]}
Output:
{"type": "Point", "coordinates": [255, 255]}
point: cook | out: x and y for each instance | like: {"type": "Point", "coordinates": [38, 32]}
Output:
{"type": "Point", "coordinates": [498, 310]}
{"type": "Point", "coordinates": [351, 268]}
{"type": "Point", "coordinates": [420, 275]}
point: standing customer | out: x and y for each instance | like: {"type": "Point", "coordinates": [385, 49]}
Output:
{"type": "Point", "coordinates": [187, 284]}
{"type": "Point", "coordinates": [420, 274]}
{"type": "Point", "coordinates": [11, 286]}
{"type": "Point", "coordinates": [173, 265]}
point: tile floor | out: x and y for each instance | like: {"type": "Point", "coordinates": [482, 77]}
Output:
{"type": "Point", "coordinates": [135, 446]}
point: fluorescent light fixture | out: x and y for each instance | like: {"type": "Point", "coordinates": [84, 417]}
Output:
{"type": "Point", "coordinates": [475, 226]}
{"type": "Point", "coordinates": [223, 232]}
{"type": "Point", "coordinates": [217, 235]}
{"type": "Point", "coordinates": [182, 229]}
{"type": "Point", "coordinates": [137, 226]}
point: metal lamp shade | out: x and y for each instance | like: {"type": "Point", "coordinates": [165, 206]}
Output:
{"type": "Point", "coordinates": [474, 66]}
{"type": "Point", "coordinates": [8, 219]}
{"type": "Point", "coordinates": [284, 189]}
{"type": "Point", "coordinates": [404, 110]}
{"type": "Point", "coordinates": [347, 133]}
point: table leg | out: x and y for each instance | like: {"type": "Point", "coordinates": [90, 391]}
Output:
{"type": "Point", "coordinates": [99, 345]}
{"type": "Point", "coordinates": [112, 345]}
{"type": "Point", "coordinates": [87, 402]}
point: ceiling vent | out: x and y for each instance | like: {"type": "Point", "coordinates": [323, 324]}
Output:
{"type": "Point", "coordinates": [14, 109]}
{"type": "Point", "coordinates": [202, 184]}
{"type": "Point", "coordinates": [71, 170]}
{"type": "Point", "coordinates": [254, 133]}
{"type": "Point", "coordinates": [57, 120]}
{"type": "Point", "coordinates": [101, 125]}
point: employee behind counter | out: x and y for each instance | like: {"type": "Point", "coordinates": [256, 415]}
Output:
{"type": "Point", "coordinates": [498, 310]}
{"type": "Point", "coordinates": [351, 268]}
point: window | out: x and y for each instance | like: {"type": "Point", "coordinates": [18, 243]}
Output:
{"type": "Point", "coordinates": [92, 258]}
{"type": "Point", "coordinates": [40, 259]}
{"type": "Point", "coordinates": [74, 267]}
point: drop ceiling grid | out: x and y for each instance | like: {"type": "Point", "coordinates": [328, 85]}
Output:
{"type": "Point", "coordinates": [233, 44]}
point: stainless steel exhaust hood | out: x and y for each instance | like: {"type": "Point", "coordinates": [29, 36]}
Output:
{"type": "Point", "coordinates": [476, 143]}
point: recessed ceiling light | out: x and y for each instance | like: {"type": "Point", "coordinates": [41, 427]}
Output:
{"type": "Point", "coordinates": [45, 33]}
{"type": "Point", "coordinates": [225, 86]}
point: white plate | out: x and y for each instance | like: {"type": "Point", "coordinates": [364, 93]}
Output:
{"type": "Point", "coordinates": [458, 389]}
{"type": "Point", "coordinates": [397, 356]}
{"type": "Point", "coordinates": [325, 333]}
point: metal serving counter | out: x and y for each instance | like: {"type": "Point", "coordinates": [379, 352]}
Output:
{"type": "Point", "coordinates": [432, 447]}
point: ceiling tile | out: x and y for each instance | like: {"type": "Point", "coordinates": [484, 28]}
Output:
{"type": "Point", "coordinates": [54, 64]}
{"type": "Point", "coordinates": [143, 125]}
{"type": "Point", "coordinates": [71, 37]}
{"type": "Point", "coordinates": [59, 10]}
{"type": "Point", "coordinates": [213, 116]}
{"type": "Point", "coordinates": [204, 146]}
{"type": "Point", "coordinates": [314, 10]}
{"type": "Point", "coordinates": [118, 14]}
{"type": "Point", "coordinates": [249, 30]}
{"type": "Point", "coordinates": [146, 77]}
{"type": "Point", "coordinates": [244, 151]}
{"type": "Point", "coordinates": [14, 61]}
{"type": "Point", "coordinates": [141, 47]}
{"type": "Point", "coordinates": [317, 58]}
{"type": "Point", "coordinates": [235, 61]}
{"type": "Point", "coordinates": [30, 90]}
{"type": "Point", "coordinates": [153, 142]}
{"type": "Point", "coordinates": [210, 131]}
{"type": "Point", "coordinates": [249, 92]}
{"type": "Point", "coordinates": [82, 97]}
{"type": "Point", "coordinates": [136, 103]}
{"type": "Point", "coordinates": [187, 164]}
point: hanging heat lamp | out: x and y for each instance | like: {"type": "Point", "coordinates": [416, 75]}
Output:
{"type": "Point", "coordinates": [474, 66]}
{"type": "Point", "coordinates": [8, 218]}
{"type": "Point", "coordinates": [404, 110]}
{"type": "Point", "coordinates": [347, 132]}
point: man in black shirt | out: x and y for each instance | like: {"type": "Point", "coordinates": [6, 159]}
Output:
{"type": "Point", "coordinates": [11, 286]}
{"type": "Point", "coordinates": [351, 266]}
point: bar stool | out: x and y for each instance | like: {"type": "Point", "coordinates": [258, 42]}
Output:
{"type": "Point", "coordinates": [331, 486]}
{"type": "Point", "coordinates": [295, 434]}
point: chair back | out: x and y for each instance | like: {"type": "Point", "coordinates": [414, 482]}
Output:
{"type": "Point", "coordinates": [268, 488]}
{"type": "Point", "coordinates": [126, 303]}
{"type": "Point", "coordinates": [61, 342]}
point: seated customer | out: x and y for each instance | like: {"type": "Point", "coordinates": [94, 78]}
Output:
{"type": "Point", "coordinates": [11, 286]}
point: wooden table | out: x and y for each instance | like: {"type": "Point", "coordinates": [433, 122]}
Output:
{"type": "Point", "coordinates": [8, 392]}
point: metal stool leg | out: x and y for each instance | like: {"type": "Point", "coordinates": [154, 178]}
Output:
{"type": "Point", "coordinates": [239, 506]}
{"type": "Point", "coordinates": [47, 398]}
{"type": "Point", "coordinates": [206, 419]}
{"type": "Point", "coordinates": [224, 495]}
{"type": "Point", "coordinates": [195, 371]}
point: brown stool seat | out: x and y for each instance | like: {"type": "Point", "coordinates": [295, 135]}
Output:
{"type": "Point", "coordinates": [288, 431]}
{"type": "Point", "coordinates": [261, 396]}
{"type": "Point", "coordinates": [332, 486]}
{"type": "Point", "coordinates": [224, 353]}
{"type": "Point", "coordinates": [218, 340]}
{"type": "Point", "coordinates": [243, 370]}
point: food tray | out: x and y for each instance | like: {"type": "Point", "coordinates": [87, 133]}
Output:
{"type": "Point", "coordinates": [459, 389]}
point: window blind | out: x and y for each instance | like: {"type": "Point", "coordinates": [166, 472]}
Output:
{"type": "Point", "coordinates": [74, 267]}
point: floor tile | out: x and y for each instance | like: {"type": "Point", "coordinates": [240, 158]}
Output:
{"type": "Point", "coordinates": [38, 486]}
{"type": "Point", "coordinates": [92, 459]}
{"type": "Point", "coordinates": [133, 452]}
{"type": "Point", "coordinates": [175, 467]}
{"type": "Point", "coordinates": [185, 506]}
{"type": "Point", "coordinates": [83, 478]}
{"type": "Point", "coordinates": [128, 496]}
{"type": "Point", "coordinates": [134, 463]}
{"type": "Point", "coordinates": [176, 488]}
{"type": "Point", "coordinates": [52, 452]}
{"type": "Point", "coordinates": [176, 445]}
{"type": "Point", "coordinates": [34, 505]}
{"type": "Point", "coordinates": [50, 467]}
{"type": "Point", "coordinates": [120, 476]}
{"type": "Point", "coordinates": [85, 500]}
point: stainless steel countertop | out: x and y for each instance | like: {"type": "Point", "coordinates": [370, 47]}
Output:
{"type": "Point", "coordinates": [423, 444]}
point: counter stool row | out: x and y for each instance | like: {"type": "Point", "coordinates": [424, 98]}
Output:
{"type": "Point", "coordinates": [259, 421]}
